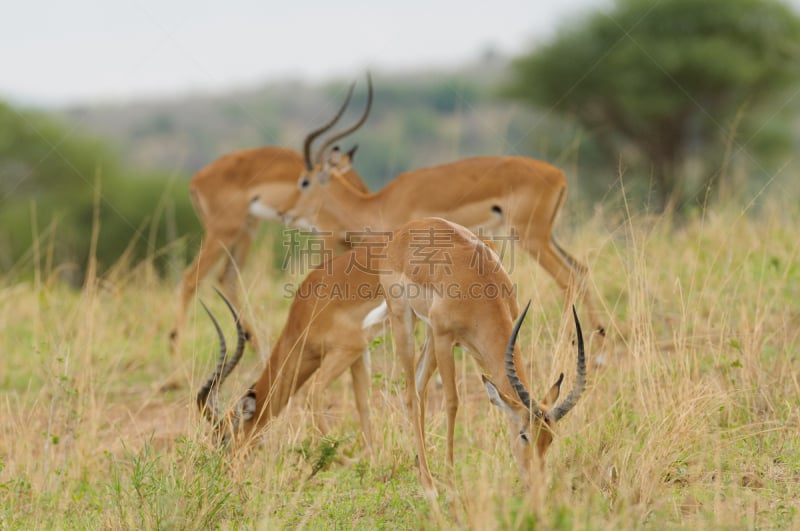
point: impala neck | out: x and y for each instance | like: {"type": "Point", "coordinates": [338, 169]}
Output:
{"type": "Point", "coordinates": [353, 179]}
{"type": "Point", "coordinates": [285, 372]}
{"type": "Point", "coordinates": [351, 208]}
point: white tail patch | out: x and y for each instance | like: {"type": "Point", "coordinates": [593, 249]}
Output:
{"type": "Point", "coordinates": [376, 316]}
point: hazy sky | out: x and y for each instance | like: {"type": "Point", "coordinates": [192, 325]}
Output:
{"type": "Point", "coordinates": [58, 52]}
{"type": "Point", "coordinates": [55, 52]}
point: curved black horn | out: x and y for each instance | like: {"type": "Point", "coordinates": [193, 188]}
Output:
{"type": "Point", "coordinates": [353, 127]}
{"type": "Point", "coordinates": [211, 384]}
{"type": "Point", "coordinates": [563, 408]}
{"type": "Point", "coordinates": [223, 368]}
{"type": "Point", "coordinates": [511, 369]}
{"type": "Point", "coordinates": [241, 339]}
{"type": "Point", "coordinates": [314, 134]}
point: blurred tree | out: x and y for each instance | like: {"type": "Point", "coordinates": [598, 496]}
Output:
{"type": "Point", "coordinates": [48, 178]}
{"type": "Point", "coordinates": [668, 78]}
{"type": "Point", "coordinates": [37, 157]}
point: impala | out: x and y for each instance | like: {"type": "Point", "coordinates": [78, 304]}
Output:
{"type": "Point", "coordinates": [221, 194]}
{"type": "Point", "coordinates": [443, 274]}
{"type": "Point", "coordinates": [324, 334]}
{"type": "Point", "coordinates": [502, 196]}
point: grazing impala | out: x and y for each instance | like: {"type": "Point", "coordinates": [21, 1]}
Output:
{"type": "Point", "coordinates": [221, 194]}
{"type": "Point", "coordinates": [323, 336]}
{"type": "Point", "coordinates": [515, 196]}
{"type": "Point", "coordinates": [443, 274]}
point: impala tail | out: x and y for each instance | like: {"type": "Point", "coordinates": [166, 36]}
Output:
{"type": "Point", "coordinates": [378, 315]}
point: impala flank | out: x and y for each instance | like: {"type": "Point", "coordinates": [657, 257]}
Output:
{"type": "Point", "coordinates": [515, 197]}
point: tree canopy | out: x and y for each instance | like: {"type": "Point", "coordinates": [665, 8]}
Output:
{"type": "Point", "coordinates": [49, 176]}
{"type": "Point", "coordinates": [666, 77]}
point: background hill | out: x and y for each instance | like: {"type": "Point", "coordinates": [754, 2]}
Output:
{"type": "Point", "coordinates": [419, 118]}
{"type": "Point", "coordinates": [135, 160]}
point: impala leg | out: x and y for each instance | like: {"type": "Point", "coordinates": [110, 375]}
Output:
{"type": "Point", "coordinates": [211, 250]}
{"type": "Point", "coordinates": [333, 365]}
{"type": "Point", "coordinates": [403, 335]}
{"type": "Point", "coordinates": [361, 385]}
{"type": "Point", "coordinates": [426, 366]}
{"type": "Point", "coordinates": [443, 350]}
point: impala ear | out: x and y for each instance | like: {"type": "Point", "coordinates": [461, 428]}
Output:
{"type": "Point", "coordinates": [334, 157]}
{"type": "Point", "coordinates": [352, 152]}
{"type": "Point", "coordinates": [513, 409]}
{"type": "Point", "coordinates": [552, 395]}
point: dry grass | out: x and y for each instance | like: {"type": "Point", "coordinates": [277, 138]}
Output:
{"type": "Point", "coordinates": [693, 421]}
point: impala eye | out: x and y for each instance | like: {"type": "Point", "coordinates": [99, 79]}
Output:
{"type": "Point", "coordinates": [305, 182]}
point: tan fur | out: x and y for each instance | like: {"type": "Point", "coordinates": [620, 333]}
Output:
{"type": "Point", "coordinates": [455, 298]}
{"type": "Point", "coordinates": [529, 194]}
{"type": "Point", "coordinates": [221, 194]}
{"type": "Point", "coordinates": [323, 336]}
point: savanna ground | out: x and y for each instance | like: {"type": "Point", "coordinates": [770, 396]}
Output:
{"type": "Point", "coordinates": [692, 421]}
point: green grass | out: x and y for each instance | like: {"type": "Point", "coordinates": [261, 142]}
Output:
{"type": "Point", "coordinates": [693, 421]}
